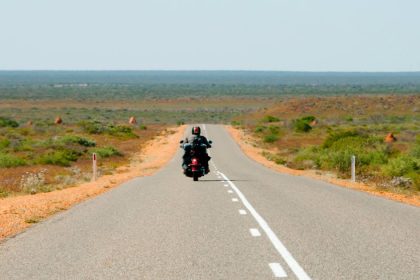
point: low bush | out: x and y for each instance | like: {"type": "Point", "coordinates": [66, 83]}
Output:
{"type": "Point", "coordinates": [72, 139]}
{"type": "Point", "coordinates": [270, 138]}
{"type": "Point", "coordinates": [301, 126]}
{"type": "Point", "coordinates": [274, 129]}
{"type": "Point", "coordinates": [270, 119]}
{"type": "Point", "coordinates": [7, 161]}
{"type": "Point", "coordinates": [401, 166]}
{"type": "Point", "coordinates": [24, 145]}
{"type": "Point", "coordinates": [367, 149]}
{"type": "Point", "coordinates": [308, 119]}
{"type": "Point", "coordinates": [92, 127]}
{"type": "Point", "coordinates": [336, 152]}
{"type": "Point", "coordinates": [95, 127]}
{"type": "Point", "coordinates": [6, 122]}
{"type": "Point", "coordinates": [259, 129]}
{"type": "Point", "coordinates": [105, 152]}
{"type": "Point", "coordinates": [415, 151]}
{"type": "Point", "coordinates": [235, 123]}
{"type": "Point", "coordinates": [4, 143]}
{"type": "Point", "coordinates": [337, 135]}
{"type": "Point", "coordinates": [61, 158]}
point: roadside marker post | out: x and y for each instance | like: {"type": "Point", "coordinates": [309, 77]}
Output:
{"type": "Point", "coordinates": [353, 169]}
{"type": "Point", "coordinates": [94, 167]}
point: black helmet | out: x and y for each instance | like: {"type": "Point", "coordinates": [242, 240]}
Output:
{"type": "Point", "coordinates": [196, 130]}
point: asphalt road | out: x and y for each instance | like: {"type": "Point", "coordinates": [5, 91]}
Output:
{"type": "Point", "coordinates": [242, 221]}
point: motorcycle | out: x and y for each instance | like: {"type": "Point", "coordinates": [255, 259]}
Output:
{"type": "Point", "coordinates": [195, 151]}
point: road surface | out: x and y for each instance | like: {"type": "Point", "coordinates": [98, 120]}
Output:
{"type": "Point", "coordinates": [242, 221]}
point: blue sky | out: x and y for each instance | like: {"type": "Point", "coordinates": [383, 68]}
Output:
{"type": "Point", "coordinates": [287, 35]}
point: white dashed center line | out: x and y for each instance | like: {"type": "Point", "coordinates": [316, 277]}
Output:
{"type": "Point", "coordinates": [255, 232]}
{"type": "Point", "coordinates": [278, 271]}
{"type": "Point", "coordinates": [278, 245]}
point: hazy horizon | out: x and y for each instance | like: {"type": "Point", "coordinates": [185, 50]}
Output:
{"type": "Point", "coordinates": [246, 35]}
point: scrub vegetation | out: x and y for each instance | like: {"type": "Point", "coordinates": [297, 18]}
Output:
{"type": "Point", "coordinates": [303, 120]}
{"type": "Point", "coordinates": [322, 133]}
{"type": "Point", "coordinates": [42, 156]}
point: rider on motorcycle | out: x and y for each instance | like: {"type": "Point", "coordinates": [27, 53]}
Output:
{"type": "Point", "coordinates": [199, 139]}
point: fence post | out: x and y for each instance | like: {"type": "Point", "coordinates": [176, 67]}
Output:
{"type": "Point", "coordinates": [353, 168]}
{"type": "Point", "coordinates": [94, 167]}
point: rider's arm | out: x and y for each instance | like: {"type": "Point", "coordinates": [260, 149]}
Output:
{"type": "Point", "coordinates": [206, 142]}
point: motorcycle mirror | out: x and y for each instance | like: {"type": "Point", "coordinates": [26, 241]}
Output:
{"type": "Point", "coordinates": [210, 142]}
{"type": "Point", "coordinates": [181, 142]}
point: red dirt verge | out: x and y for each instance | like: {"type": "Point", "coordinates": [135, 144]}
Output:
{"type": "Point", "coordinates": [18, 213]}
{"type": "Point", "coordinates": [245, 143]}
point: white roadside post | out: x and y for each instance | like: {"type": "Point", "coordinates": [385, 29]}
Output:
{"type": "Point", "coordinates": [353, 168]}
{"type": "Point", "coordinates": [94, 169]}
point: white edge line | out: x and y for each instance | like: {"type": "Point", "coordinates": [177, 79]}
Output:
{"type": "Point", "coordinates": [242, 212]}
{"type": "Point", "coordinates": [278, 271]}
{"type": "Point", "coordinates": [281, 249]}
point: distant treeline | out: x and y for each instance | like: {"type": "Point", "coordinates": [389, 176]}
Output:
{"type": "Point", "coordinates": [169, 84]}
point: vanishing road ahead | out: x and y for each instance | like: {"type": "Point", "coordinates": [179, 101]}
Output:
{"type": "Point", "coordinates": [242, 221]}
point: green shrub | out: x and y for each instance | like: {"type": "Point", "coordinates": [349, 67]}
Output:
{"type": "Point", "coordinates": [270, 119]}
{"type": "Point", "coordinates": [335, 136]}
{"type": "Point", "coordinates": [235, 123]}
{"type": "Point", "coordinates": [121, 131]}
{"type": "Point", "coordinates": [95, 127]}
{"type": "Point", "coordinates": [270, 138]}
{"type": "Point", "coordinates": [415, 151]}
{"type": "Point", "coordinates": [349, 118]}
{"type": "Point", "coordinates": [3, 193]}
{"type": "Point", "coordinates": [368, 151]}
{"type": "Point", "coordinates": [24, 145]}
{"type": "Point", "coordinates": [61, 158]}
{"type": "Point", "coordinates": [308, 119]}
{"type": "Point", "coordinates": [301, 126]}
{"type": "Point", "coordinates": [7, 161]}
{"type": "Point", "coordinates": [105, 152]}
{"type": "Point", "coordinates": [338, 148]}
{"type": "Point", "coordinates": [6, 122]}
{"type": "Point", "coordinates": [401, 166]}
{"type": "Point", "coordinates": [143, 127]}
{"type": "Point", "coordinates": [72, 139]}
{"type": "Point", "coordinates": [4, 143]}
{"type": "Point", "coordinates": [274, 129]}
{"type": "Point", "coordinates": [260, 128]}
{"type": "Point", "coordinates": [312, 154]}
{"type": "Point", "coordinates": [92, 127]}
